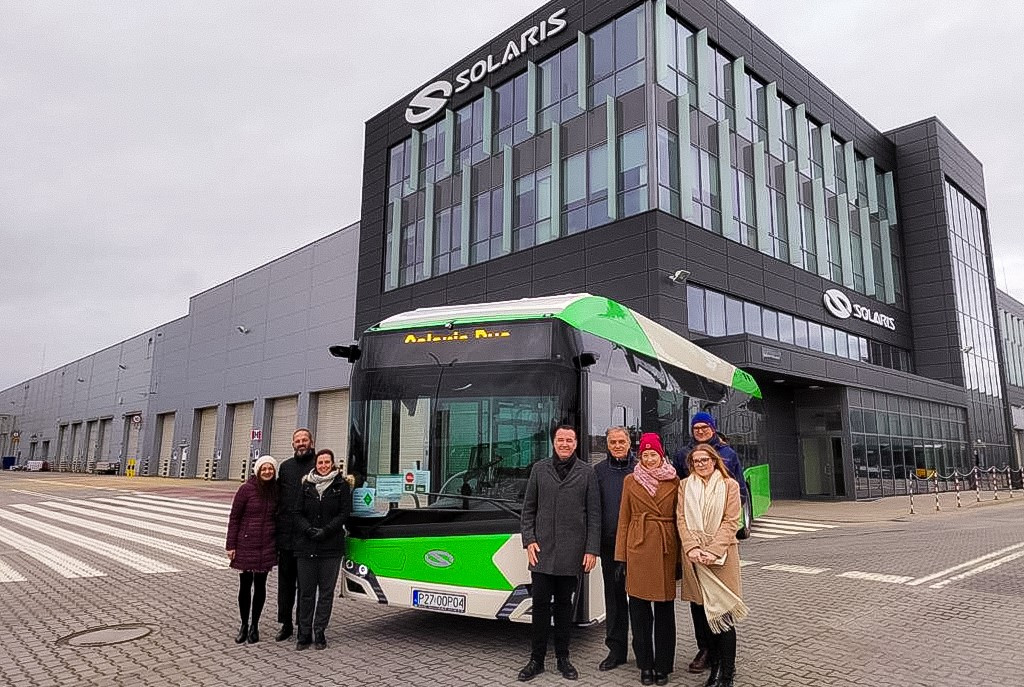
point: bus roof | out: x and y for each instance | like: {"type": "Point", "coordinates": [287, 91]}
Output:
{"type": "Point", "coordinates": [598, 315]}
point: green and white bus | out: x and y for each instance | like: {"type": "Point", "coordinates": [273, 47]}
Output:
{"type": "Point", "coordinates": [451, 407]}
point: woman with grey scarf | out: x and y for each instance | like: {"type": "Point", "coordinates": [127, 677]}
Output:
{"type": "Point", "coordinates": [320, 515]}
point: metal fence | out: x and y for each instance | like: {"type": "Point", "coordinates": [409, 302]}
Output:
{"type": "Point", "coordinates": [998, 481]}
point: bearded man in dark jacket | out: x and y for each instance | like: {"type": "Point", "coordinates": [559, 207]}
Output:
{"type": "Point", "coordinates": [290, 483]}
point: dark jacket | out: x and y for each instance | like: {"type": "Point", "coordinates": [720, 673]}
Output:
{"type": "Point", "coordinates": [609, 482]}
{"type": "Point", "coordinates": [327, 512]}
{"type": "Point", "coordinates": [729, 457]}
{"type": "Point", "coordinates": [289, 479]}
{"type": "Point", "coordinates": [562, 516]}
{"type": "Point", "coordinates": [251, 526]}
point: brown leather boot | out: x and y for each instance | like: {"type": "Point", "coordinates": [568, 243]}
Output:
{"type": "Point", "coordinates": [700, 662]}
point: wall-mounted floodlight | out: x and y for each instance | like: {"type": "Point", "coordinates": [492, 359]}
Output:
{"type": "Point", "coordinates": [122, 366]}
{"type": "Point", "coordinates": [679, 276]}
{"type": "Point", "coordinates": [968, 348]}
{"type": "Point", "coordinates": [242, 329]}
{"type": "Point", "coordinates": [80, 379]}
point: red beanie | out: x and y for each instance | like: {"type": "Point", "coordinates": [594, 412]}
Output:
{"type": "Point", "coordinates": [651, 442]}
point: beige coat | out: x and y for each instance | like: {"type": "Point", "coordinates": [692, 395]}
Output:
{"type": "Point", "coordinates": [646, 539]}
{"type": "Point", "coordinates": [724, 542]}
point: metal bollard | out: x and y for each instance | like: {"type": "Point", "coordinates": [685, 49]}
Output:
{"type": "Point", "coordinates": [913, 488]}
{"type": "Point", "coordinates": [977, 482]}
{"type": "Point", "coordinates": [936, 478]}
{"type": "Point", "coordinates": [956, 486]}
{"type": "Point", "coordinates": [995, 482]}
{"type": "Point", "coordinates": [1009, 480]}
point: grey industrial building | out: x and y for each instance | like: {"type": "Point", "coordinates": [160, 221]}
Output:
{"type": "Point", "coordinates": [666, 154]}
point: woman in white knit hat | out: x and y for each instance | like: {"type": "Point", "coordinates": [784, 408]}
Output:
{"type": "Point", "coordinates": [250, 544]}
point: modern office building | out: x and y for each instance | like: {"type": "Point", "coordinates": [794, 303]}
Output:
{"type": "Point", "coordinates": [669, 155]}
{"type": "Point", "coordinates": [666, 154]}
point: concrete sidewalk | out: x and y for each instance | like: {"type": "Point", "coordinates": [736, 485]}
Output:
{"type": "Point", "coordinates": [891, 508]}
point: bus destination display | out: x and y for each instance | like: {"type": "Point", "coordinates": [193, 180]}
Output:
{"type": "Point", "coordinates": [475, 343]}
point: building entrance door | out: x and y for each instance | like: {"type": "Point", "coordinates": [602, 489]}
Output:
{"type": "Point", "coordinates": [821, 458]}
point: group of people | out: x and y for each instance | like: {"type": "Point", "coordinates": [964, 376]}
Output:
{"type": "Point", "coordinates": [651, 522]}
{"type": "Point", "coordinates": [292, 516]}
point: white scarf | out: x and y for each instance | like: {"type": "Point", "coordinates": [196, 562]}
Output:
{"type": "Point", "coordinates": [321, 482]}
{"type": "Point", "coordinates": [703, 511]}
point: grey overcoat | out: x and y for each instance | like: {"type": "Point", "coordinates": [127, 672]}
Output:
{"type": "Point", "coordinates": [562, 516]}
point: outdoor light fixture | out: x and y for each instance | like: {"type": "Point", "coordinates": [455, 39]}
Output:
{"type": "Point", "coordinates": [242, 329]}
{"type": "Point", "coordinates": [122, 366]}
{"type": "Point", "coordinates": [80, 380]}
{"type": "Point", "coordinates": [968, 348]}
{"type": "Point", "coordinates": [679, 276]}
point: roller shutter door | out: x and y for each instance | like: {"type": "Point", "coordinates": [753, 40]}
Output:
{"type": "Point", "coordinates": [241, 437]}
{"type": "Point", "coordinates": [106, 429]}
{"type": "Point", "coordinates": [332, 422]}
{"type": "Point", "coordinates": [284, 421]}
{"type": "Point", "coordinates": [90, 445]}
{"type": "Point", "coordinates": [131, 450]}
{"type": "Point", "coordinates": [166, 424]}
{"type": "Point", "coordinates": [207, 439]}
{"type": "Point", "coordinates": [76, 446]}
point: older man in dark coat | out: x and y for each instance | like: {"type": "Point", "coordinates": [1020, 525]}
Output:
{"type": "Point", "coordinates": [561, 527]}
{"type": "Point", "coordinates": [290, 481]}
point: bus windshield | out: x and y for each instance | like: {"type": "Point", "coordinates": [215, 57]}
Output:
{"type": "Point", "coordinates": [476, 429]}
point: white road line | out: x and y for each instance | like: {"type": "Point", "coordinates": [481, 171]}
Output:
{"type": "Point", "coordinates": [162, 509]}
{"type": "Point", "coordinates": [40, 493]}
{"type": "Point", "coordinates": [208, 559]}
{"type": "Point", "coordinates": [9, 574]}
{"type": "Point", "coordinates": [796, 522]}
{"type": "Point", "coordinates": [876, 577]}
{"type": "Point", "coordinates": [141, 516]}
{"type": "Point", "coordinates": [784, 528]}
{"type": "Point", "coordinates": [133, 560]}
{"type": "Point", "coordinates": [138, 524]}
{"type": "Point", "coordinates": [764, 529]}
{"type": "Point", "coordinates": [744, 564]}
{"type": "Point", "coordinates": [182, 508]}
{"type": "Point", "coordinates": [764, 536]}
{"type": "Point", "coordinates": [980, 569]}
{"type": "Point", "coordinates": [802, 569]}
{"type": "Point", "coordinates": [967, 564]}
{"type": "Point", "coordinates": [194, 502]}
{"type": "Point", "coordinates": [62, 564]}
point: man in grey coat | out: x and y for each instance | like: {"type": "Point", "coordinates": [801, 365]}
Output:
{"type": "Point", "coordinates": [561, 527]}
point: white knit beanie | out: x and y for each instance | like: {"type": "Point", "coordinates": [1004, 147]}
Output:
{"type": "Point", "coordinates": [265, 460]}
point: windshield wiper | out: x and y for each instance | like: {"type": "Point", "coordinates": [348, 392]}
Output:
{"type": "Point", "coordinates": [500, 503]}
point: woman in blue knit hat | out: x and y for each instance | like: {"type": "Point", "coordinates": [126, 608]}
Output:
{"type": "Point", "coordinates": [704, 430]}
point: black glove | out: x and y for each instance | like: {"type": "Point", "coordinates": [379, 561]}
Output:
{"type": "Point", "coordinates": [620, 571]}
{"type": "Point", "coordinates": [315, 533]}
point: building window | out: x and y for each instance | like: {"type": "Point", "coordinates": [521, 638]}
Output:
{"type": "Point", "coordinates": [616, 52]}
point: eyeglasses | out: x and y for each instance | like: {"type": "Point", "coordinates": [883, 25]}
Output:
{"type": "Point", "coordinates": [701, 428]}
{"type": "Point", "coordinates": [702, 461]}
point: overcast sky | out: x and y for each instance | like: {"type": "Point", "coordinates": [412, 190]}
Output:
{"type": "Point", "coordinates": [149, 151]}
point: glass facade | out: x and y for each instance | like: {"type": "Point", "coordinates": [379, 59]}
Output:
{"type": "Point", "coordinates": [895, 438]}
{"type": "Point", "coordinates": [1012, 328]}
{"type": "Point", "coordinates": [976, 324]}
{"type": "Point", "coordinates": [564, 146]}
{"type": "Point", "coordinates": [715, 314]}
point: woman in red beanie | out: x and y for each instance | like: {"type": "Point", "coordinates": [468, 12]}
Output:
{"type": "Point", "coordinates": [647, 548]}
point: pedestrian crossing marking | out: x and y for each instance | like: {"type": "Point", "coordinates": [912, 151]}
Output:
{"type": "Point", "coordinates": [775, 528]}
{"type": "Point", "coordinates": [168, 519]}
{"type": "Point", "coordinates": [798, 523]}
{"type": "Point", "coordinates": [9, 574]}
{"type": "Point", "coordinates": [159, 509]}
{"type": "Point", "coordinates": [802, 569]}
{"type": "Point", "coordinates": [62, 564]}
{"type": "Point", "coordinates": [193, 502]}
{"type": "Point", "coordinates": [127, 557]}
{"type": "Point", "coordinates": [206, 559]}
{"type": "Point", "coordinates": [136, 523]}
{"type": "Point", "coordinates": [180, 508]}
{"type": "Point", "coordinates": [875, 577]}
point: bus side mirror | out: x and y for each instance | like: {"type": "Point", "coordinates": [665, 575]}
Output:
{"type": "Point", "coordinates": [585, 359]}
{"type": "Point", "coordinates": [349, 353]}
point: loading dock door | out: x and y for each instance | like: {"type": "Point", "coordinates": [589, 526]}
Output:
{"type": "Point", "coordinates": [241, 434]}
{"type": "Point", "coordinates": [105, 432]}
{"type": "Point", "coordinates": [284, 420]}
{"type": "Point", "coordinates": [90, 445]}
{"type": "Point", "coordinates": [133, 429]}
{"type": "Point", "coordinates": [332, 422]}
{"type": "Point", "coordinates": [207, 438]}
{"type": "Point", "coordinates": [166, 424]}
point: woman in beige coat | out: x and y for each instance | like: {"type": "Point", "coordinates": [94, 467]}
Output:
{"type": "Point", "coordinates": [707, 516]}
{"type": "Point", "coordinates": [647, 549]}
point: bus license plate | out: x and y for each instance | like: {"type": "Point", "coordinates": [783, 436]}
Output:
{"type": "Point", "coordinates": [439, 601]}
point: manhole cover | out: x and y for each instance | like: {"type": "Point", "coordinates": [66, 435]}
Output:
{"type": "Point", "coordinates": [105, 636]}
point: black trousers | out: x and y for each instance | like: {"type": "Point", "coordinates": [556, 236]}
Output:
{"type": "Point", "coordinates": [700, 627]}
{"type": "Point", "coordinates": [287, 583]}
{"type": "Point", "coordinates": [317, 579]}
{"type": "Point", "coordinates": [721, 647]}
{"type": "Point", "coordinates": [654, 634]}
{"type": "Point", "coordinates": [616, 606]}
{"type": "Point", "coordinates": [560, 588]}
{"type": "Point", "coordinates": [252, 595]}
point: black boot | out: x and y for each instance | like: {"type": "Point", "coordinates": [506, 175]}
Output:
{"type": "Point", "coordinates": [254, 634]}
{"type": "Point", "coordinates": [714, 675]}
{"type": "Point", "coordinates": [284, 633]}
{"type": "Point", "coordinates": [567, 669]}
{"type": "Point", "coordinates": [646, 677]}
{"type": "Point", "coordinates": [725, 678]}
{"type": "Point", "coordinates": [531, 670]}
{"type": "Point", "coordinates": [243, 634]}
{"type": "Point", "coordinates": [319, 639]}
